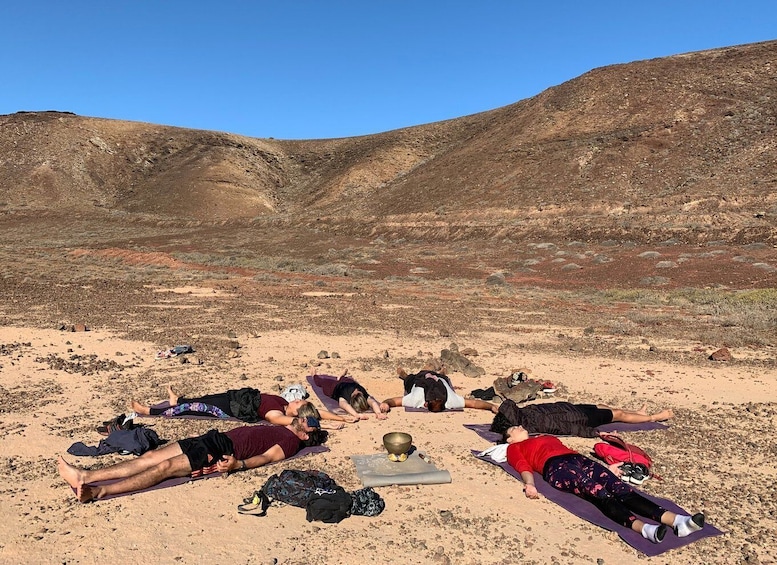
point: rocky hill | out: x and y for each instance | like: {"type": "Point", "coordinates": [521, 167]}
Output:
{"type": "Point", "coordinates": [681, 147]}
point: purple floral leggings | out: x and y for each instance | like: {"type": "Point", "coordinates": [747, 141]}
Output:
{"type": "Point", "coordinates": [188, 408]}
{"type": "Point", "coordinates": [595, 483]}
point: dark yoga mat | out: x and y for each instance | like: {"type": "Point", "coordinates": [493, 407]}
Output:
{"type": "Point", "coordinates": [175, 481]}
{"type": "Point", "coordinates": [483, 430]}
{"type": "Point", "coordinates": [587, 511]}
{"type": "Point", "coordinates": [329, 403]}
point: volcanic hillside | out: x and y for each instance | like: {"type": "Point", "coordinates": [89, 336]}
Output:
{"type": "Point", "coordinates": [682, 146]}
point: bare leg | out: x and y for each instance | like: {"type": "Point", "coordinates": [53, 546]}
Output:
{"type": "Point", "coordinates": [76, 477]}
{"type": "Point", "coordinates": [637, 417]}
{"type": "Point", "coordinates": [139, 408]}
{"type": "Point", "coordinates": [177, 466]}
{"type": "Point", "coordinates": [668, 518]}
{"type": "Point", "coordinates": [172, 396]}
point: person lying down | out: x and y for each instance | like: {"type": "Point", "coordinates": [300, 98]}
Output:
{"type": "Point", "coordinates": [569, 471]}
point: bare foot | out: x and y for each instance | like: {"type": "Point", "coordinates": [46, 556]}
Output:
{"type": "Point", "coordinates": [401, 373]}
{"type": "Point", "coordinates": [661, 416]}
{"type": "Point", "coordinates": [139, 408]}
{"type": "Point", "coordinates": [72, 475]}
{"type": "Point", "coordinates": [643, 411]}
{"type": "Point", "coordinates": [172, 397]}
{"type": "Point", "coordinates": [313, 371]}
{"type": "Point", "coordinates": [85, 493]}
{"type": "Point", "coordinates": [345, 374]}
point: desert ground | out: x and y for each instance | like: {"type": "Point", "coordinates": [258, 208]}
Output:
{"type": "Point", "coordinates": [57, 385]}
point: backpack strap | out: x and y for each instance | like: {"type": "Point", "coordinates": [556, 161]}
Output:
{"type": "Point", "coordinates": [256, 505]}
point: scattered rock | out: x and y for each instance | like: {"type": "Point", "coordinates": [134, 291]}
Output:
{"type": "Point", "coordinates": [722, 354]}
{"type": "Point", "coordinates": [323, 354]}
{"type": "Point", "coordinates": [455, 361]}
{"type": "Point", "coordinates": [496, 279]}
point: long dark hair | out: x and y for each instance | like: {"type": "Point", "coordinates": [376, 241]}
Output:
{"type": "Point", "coordinates": [500, 424]}
{"type": "Point", "coordinates": [316, 437]}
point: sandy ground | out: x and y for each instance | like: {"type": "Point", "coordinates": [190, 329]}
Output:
{"type": "Point", "coordinates": [57, 386]}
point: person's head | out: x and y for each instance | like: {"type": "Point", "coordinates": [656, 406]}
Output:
{"type": "Point", "coordinates": [500, 424]}
{"type": "Point", "coordinates": [304, 426]}
{"type": "Point", "coordinates": [515, 434]}
{"type": "Point", "coordinates": [305, 409]}
{"type": "Point", "coordinates": [316, 437]}
{"type": "Point", "coordinates": [435, 405]}
{"type": "Point", "coordinates": [436, 397]}
{"type": "Point", "coordinates": [358, 402]}
{"type": "Point", "coordinates": [302, 408]}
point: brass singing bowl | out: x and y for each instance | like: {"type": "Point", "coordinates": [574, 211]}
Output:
{"type": "Point", "coordinates": [397, 443]}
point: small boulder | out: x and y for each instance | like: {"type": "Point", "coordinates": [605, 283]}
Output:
{"type": "Point", "coordinates": [722, 354]}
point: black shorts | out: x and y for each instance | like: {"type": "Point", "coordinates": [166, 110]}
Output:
{"type": "Point", "coordinates": [213, 444]}
{"type": "Point", "coordinates": [596, 416]}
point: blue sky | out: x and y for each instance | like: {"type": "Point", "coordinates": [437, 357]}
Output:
{"type": "Point", "coordinates": [302, 69]}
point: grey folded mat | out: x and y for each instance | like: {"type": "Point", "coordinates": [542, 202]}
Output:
{"type": "Point", "coordinates": [377, 471]}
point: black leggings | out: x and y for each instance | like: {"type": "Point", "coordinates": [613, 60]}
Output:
{"type": "Point", "coordinates": [220, 401]}
{"type": "Point", "coordinates": [595, 483]}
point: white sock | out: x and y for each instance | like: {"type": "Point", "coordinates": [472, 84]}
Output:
{"type": "Point", "coordinates": [650, 532]}
{"type": "Point", "coordinates": [685, 526]}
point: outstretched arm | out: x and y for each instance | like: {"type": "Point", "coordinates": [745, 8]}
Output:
{"type": "Point", "coordinates": [326, 415]}
{"type": "Point", "coordinates": [480, 404]}
{"type": "Point", "coordinates": [393, 402]}
{"type": "Point", "coordinates": [346, 406]}
{"type": "Point", "coordinates": [529, 488]}
{"type": "Point", "coordinates": [278, 418]}
{"type": "Point", "coordinates": [379, 409]}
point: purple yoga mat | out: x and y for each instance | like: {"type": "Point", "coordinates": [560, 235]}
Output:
{"type": "Point", "coordinates": [329, 403]}
{"type": "Point", "coordinates": [175, 481]}
{"type": "Point", "coordinates": [587, 511]}
{"type": "Point", "coordinates": [484, 431]}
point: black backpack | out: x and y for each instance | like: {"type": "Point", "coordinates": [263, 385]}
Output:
{"type": "Point", "coordinates": [290, 487]}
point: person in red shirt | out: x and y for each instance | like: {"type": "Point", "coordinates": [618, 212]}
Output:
{"type": "Point", "coordinates": [570, 471]}
{"type": "Point", "coordinates": [241, 448]}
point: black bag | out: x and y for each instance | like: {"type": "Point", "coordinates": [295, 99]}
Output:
{"type": "Point", "coordinates": [290, 487]}
{"type": "Point", "coordinates": [330, 506]}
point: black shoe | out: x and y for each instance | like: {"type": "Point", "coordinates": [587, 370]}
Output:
{"type": "Point", "coordinates": [698, 519]}
{"type": "Point", "coordinates": [660, 533]}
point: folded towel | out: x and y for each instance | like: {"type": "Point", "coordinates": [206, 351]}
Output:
{"type": "Point", "coordinates": [496, 452]}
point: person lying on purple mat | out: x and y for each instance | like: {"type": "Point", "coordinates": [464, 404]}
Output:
{"type": "Point", "coordinates": [570, 471]}
{"type": "Point", "coordinates": [567, 419]}
{"type": "Point", "coordinates": [246, 404]}
{"type": "Point", "coordinates": [433, 390]}
{"type": "Point", "coordinates": [350, 395]}
{"type": "Point", "coordinates": [245, 447]}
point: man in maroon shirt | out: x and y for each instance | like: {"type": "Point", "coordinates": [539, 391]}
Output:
{"type": "Point", "coordinates": [239, 449]}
